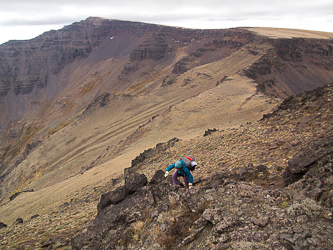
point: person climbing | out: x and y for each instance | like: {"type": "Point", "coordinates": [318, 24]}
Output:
{"type": "Point", "coordinates": [183, 167]}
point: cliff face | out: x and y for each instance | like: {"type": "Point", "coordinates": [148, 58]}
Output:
{"type": "Point", "coordinates": [26, 64]}
{"type": "Point", "coordinates": [28, 67]}
{"type": "Point", "coordinates": [293, 65]}
{"type": "Point", "coordinates": [289, 67]}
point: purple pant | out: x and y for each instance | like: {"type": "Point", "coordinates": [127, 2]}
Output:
{"type": "Point", "coordinates": [175, 176]}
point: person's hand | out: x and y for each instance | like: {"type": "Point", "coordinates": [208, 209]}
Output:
{"type": "Point", "coordinates": [190, 185]}
{"type": "Point", "coordinates": [166, 174]}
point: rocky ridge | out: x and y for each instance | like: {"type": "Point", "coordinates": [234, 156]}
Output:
{"type": "Point", "coordinates": [228, 209]}
{"type": "Point", "coordinates": [243, 196]}
{"type": "Point", "coordinates": [227, 229]}
{"type": "Point", "coordinates": [235, 208]}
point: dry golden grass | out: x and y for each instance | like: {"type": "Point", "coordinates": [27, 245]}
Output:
{"type": "Point", "coordinates": [290, 33]}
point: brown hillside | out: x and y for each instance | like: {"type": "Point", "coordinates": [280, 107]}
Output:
{"type": "Point", "coordinates": [270, 142]}
{"type": "Point", "coordinates": [97, 93]}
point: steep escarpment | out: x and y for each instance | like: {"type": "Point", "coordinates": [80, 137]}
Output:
{"type": "Point", "coordinates": [134, 57]}
{"type": "Point", "coordinates": [293, 66]}
{"type": "Point", "coordinates": [216, 49]}
{"type": "Point", "coordinates": [63, 71]}
{"type": "Point", "coordinates": [26, 64]}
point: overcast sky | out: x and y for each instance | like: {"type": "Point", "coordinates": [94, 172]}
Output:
{"type": "Point", "coordinates": [26, 19]}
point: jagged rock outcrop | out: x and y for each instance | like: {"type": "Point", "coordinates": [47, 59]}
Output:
{"type": "Point", "coordinates": [133, 183]}
{"type": "Point", "coordinates": [300, 164]}
{"type": "Point", "coordinates": [12, 197]}
{"type": "Point", "coordinates": [160, 147]}
{"type": "Point", "coordinates": [310, 172]}
{"type": "Point", "coordinates": [102, 100]}
{"type": "Point", "coordinates": [129, 210]}
{"type": "Point", "coordinates": [209, 131]}
{"type": "Point", "coordinates": [223, 212]}
{"type": "Point", "coordinates": [154, 49]}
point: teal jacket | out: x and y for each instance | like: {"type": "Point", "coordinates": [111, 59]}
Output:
{"type": "Point", "coordinates": [182, 171]}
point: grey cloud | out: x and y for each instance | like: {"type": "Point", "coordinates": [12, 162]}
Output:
{"type": "Point", "coordinates": [37, 22]}
{"type": "Point", "coordinates": [16, 13]}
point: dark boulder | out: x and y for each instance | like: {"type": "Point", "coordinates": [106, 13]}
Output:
{"type": "Point", "coordinates": [120, 208]}
{"type": "Point", "coordinates": [245, 172]}
{"type": "Point", "coordinates": [34, 216]}
{"type": "Point", "coordinates": [157, 178]}
{"type": "Point", "coordinates": [261, 168]}
{"type": "Point", "coordinates": [111, 218]}
{"type": "Point", "coordinates": [209, 131]}
{"type": "Point", "coordinates": [287, 176]}
{"type": "Point", "coordinates": [18, 221]}
{"type": "Point", "coordinates": [134, 182]}
{"type": "Point", "coordinates": [217, 179]}
{"type": "Point", "coordinates": [159, 185]}
{"type": "Point", "coordinates": [111, 198]}
{"type": "Point", "coordinates": [300, 163]}
{"type": "Point", "coordinates": [2, 225]}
